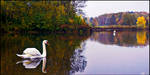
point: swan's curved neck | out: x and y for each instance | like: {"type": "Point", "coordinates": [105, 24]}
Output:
{"type": "Point", "coordinates": [44, 50]}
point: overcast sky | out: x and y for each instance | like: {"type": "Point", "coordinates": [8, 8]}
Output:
{"type": "Point", "coordinates": [96, 8]}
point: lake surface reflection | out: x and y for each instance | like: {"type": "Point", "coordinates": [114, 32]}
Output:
{"type": "Point", "coordinates": [120, 52]}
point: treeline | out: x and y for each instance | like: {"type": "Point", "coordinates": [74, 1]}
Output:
{"type": "Point", "coordinates": [122, 18]}
{"type": "Point", "coordinates": [40, 15]}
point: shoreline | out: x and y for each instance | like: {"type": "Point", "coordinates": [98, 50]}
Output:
{"type": "Point", "coordinates": [80, 29]}
{"type": "Point", "coordinates": [118, 28]}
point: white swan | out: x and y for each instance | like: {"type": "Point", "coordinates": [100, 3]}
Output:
{"type": "Point", "coordinates": [33, 52]}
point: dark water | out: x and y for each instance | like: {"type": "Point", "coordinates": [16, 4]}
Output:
{"type": "Point", "coordinates": [120, 52]}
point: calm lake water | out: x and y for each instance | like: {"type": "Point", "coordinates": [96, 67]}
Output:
{"type": "Point", "coordinates": [106, 52]}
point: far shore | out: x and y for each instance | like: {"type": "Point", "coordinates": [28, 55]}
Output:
{"type": "Point", "coordinates": [119, 27]}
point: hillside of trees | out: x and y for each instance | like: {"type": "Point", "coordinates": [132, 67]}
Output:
{"type": "Point", "coordinates": [40, 15]}
{"type": "Point", "coordinates": [122, 18]}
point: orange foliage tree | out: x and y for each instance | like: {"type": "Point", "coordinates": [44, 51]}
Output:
{"type": "Point", "coordinates": [141, 22]}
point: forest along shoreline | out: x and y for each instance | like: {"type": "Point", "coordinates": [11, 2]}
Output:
{"type": "Point", "coordinates": [64, 17]}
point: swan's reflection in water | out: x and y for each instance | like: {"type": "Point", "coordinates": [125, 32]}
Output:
{"type": "Point", "coordinates": [33, 63]}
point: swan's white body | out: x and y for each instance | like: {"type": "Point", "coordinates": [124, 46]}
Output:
{"type": "Point", "coordinates": [33, 52]}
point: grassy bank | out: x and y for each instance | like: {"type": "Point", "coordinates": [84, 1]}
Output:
{"type": "Point", "coordinates": [69, 29]}
{"type": "Point", "coordinates": [79, 29]}
{"type": "Point", "coordinates": [120, 27]}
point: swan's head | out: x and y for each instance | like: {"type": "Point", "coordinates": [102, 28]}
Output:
{"type": "Point", "coordinates": [45, 42]}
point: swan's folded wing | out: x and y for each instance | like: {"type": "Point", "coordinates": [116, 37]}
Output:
{"type": "Point", "coordinates": [31, 51]}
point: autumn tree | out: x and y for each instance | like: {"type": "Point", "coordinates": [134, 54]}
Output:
{"type": "Point", "coordinates": [39, 15]}
{"type": "Point", "coordinates": [141, 22]}
{"type": "Point", "coordinates": [95, 22]}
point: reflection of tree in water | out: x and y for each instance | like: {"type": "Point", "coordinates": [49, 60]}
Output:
{"type": "Point", "coordinates": [141, 37]}
{"type": "Point", "coordinates": [78, 62]}
{"type": "Point", "coordinates": [122, 38]}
